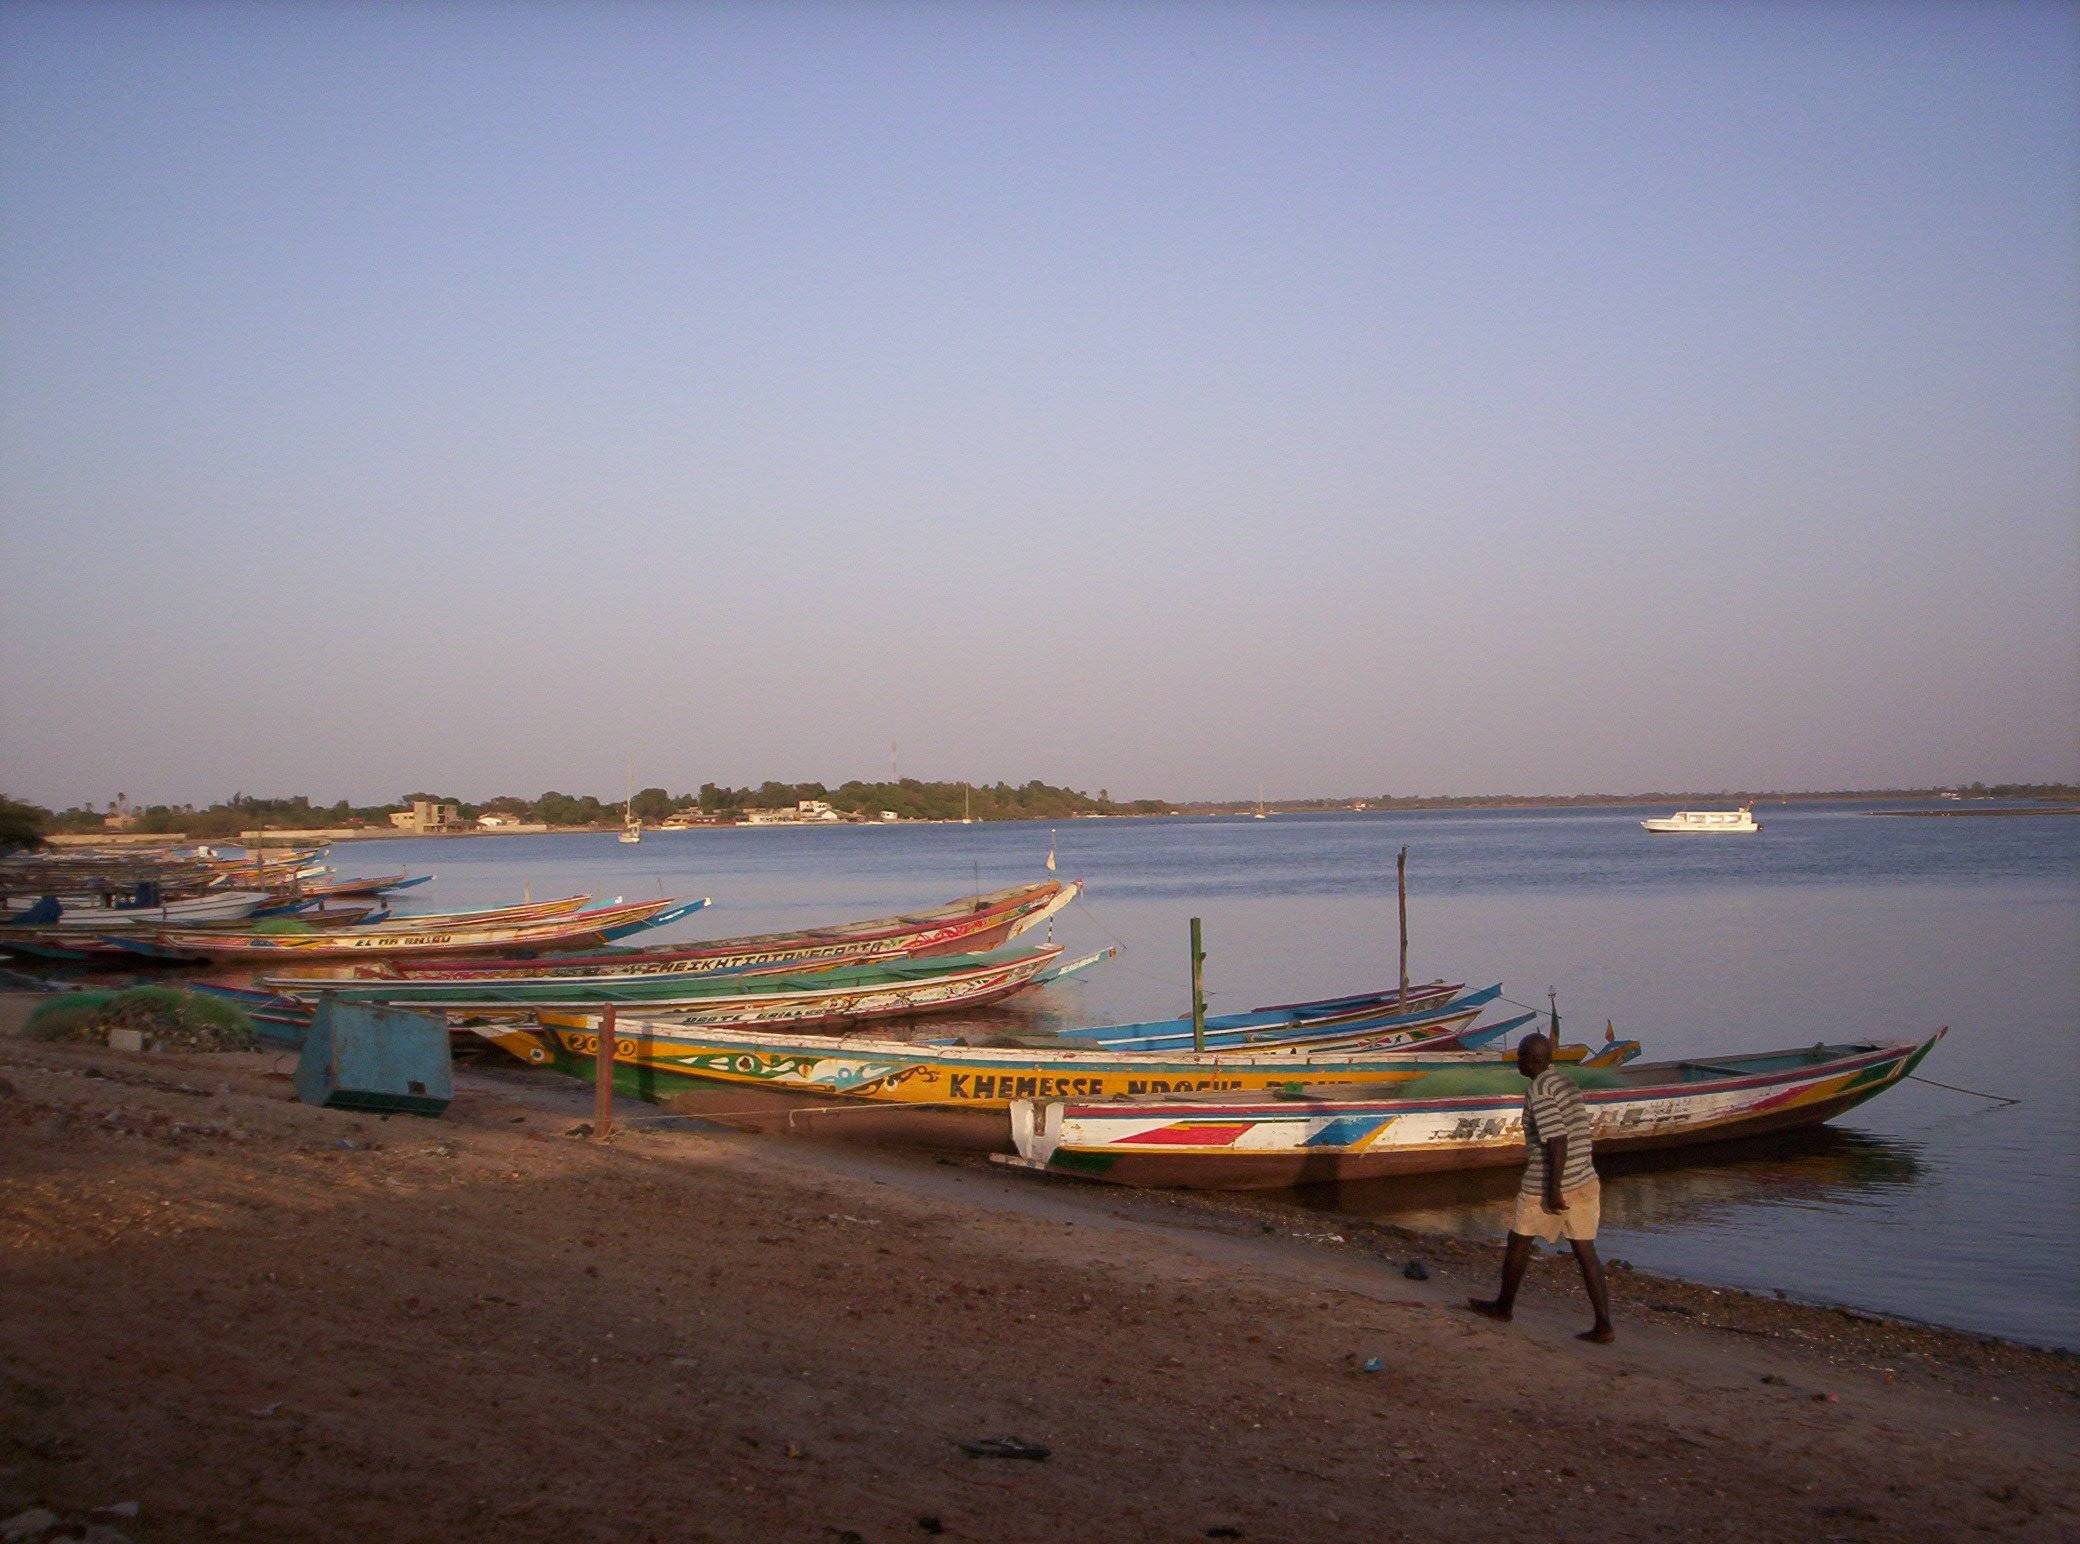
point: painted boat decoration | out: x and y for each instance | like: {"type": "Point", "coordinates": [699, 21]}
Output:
{"type": "Point", "coordinates": [962, 927]}
{"type": "Point", "coordinates": [412, 936]}
{"type": "Point", "coordinates": [897, 1090]}
{"type": "Point", "coordinates": [1333, 1135]}
{"type": "Point", "coordinates": [843, 995]}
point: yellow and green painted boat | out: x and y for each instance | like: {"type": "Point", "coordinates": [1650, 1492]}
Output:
{"type": "Point", "coordinates": [939, 1094]}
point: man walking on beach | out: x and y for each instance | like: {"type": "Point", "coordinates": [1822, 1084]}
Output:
{"type": "Point", "coordinates": [1560, 1193]}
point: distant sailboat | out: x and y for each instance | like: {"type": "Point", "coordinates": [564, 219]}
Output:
{"type": "Point", "coordinates": [631, 826]}
{"type": "Point", "coordinates": [1260, 815]}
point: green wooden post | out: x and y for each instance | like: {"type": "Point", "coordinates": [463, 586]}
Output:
{"type": "Point", "coordinates": [1198, 990]}
{"type": "Point", "coordinates": [1401, 892]}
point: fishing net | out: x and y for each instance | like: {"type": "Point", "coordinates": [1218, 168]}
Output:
{"type": "Point", "coordinates": [282, 925]}
{"type": "Point", "coordinates": [168, 1018]}
{"type": "Point", "coordinates": [63, 1016]}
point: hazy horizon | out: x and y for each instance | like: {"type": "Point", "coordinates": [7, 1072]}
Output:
{"type": "Point", "coordinates": [1169, 399]}
{"type": "Point", "coordinates": [322, 801]}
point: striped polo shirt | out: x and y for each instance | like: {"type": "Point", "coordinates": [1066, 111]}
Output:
{"type": "Point", "coordinates": [1553, 1108]}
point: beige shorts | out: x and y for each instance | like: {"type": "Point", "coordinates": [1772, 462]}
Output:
{"type": "Point", "coordinates": [1584, 1209]}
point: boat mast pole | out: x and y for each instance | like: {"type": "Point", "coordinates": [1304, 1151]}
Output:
{"type": "Point", "coordinates": [1198, 990]}
{"type": "Point", "coordinates": [1401, 893]}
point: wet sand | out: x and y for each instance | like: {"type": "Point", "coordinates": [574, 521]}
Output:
{"type": "Point", "coordinates": [261, 1320]}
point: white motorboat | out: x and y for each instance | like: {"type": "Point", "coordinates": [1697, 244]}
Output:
{"type": "Point", "coordinates": [1705, 822]}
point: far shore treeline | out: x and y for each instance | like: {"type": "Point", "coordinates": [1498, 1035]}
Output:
{"type": "Point", "coordinates": [24, 824]}
{"type": "Point", "coordinates": [909, 799]}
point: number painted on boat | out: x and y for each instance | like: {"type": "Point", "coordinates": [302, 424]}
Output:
{"type": "Point", "coordinates": [625, 1047]}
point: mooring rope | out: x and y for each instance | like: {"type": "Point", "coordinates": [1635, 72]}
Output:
{"type": "Point", "coordinates": [1953, 1088]}
{"type": "Point", "coordinates": [1107, 931]}
{"type": "Point", "coordinates": [768, 1113]}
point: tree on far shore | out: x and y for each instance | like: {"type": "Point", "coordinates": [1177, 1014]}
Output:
{"type": "Point", "coordinates": [21, 825]}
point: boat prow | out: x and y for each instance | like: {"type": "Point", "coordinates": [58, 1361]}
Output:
{"type": "Point", "coordinates": [1325, 1135]}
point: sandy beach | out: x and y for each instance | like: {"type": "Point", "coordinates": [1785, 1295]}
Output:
{"type": "Point", "coordinates": [256, 1319]}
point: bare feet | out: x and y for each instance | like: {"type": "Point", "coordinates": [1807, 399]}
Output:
{"type": "Point", "coordinates": [1489, 1307]}
{"type": "Point", "coordinates": [1598, 1335]}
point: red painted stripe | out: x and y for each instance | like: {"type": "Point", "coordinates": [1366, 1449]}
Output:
{"type": "Point", "coordinates": [1188, 1134]}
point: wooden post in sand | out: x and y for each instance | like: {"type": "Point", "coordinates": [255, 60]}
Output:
{"type": "Point", "coordinates": [603, 1079]}
{"type": "Point", "coordinates": [1401, 891]}
{"type": "Point", "coordinates": [1198, 990]}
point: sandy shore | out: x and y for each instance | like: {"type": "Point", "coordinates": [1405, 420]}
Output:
{"type": "Point", "coordinates": [261, 1320]}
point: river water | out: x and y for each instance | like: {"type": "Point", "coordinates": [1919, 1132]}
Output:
{"type": "Point", "coordinates": [1833, 924]}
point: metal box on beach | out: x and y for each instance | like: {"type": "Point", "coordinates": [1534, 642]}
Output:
{"type": "Point", "coordinates": [386, 1061]}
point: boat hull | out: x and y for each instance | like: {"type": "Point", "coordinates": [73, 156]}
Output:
{"type": "Point", "coordinates": [1364, 1020]}
{"type": "Point", "coordinates": [224, 906]}
{"type": "Point", "coordinates": [1704, 823]}
{"type": "Point", "coordinates": [577, 930]}
{"type": "Point", "coordinates": [976, 927]}
{"type": "Point", "coordinates": [719, 1070]}
{"type": "Point", "coordinates": [1252, 1145]}
{"type": "Point", "coordinates": [734, 1002]}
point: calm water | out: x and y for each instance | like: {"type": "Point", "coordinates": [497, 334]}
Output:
{"type": "Point", "coordinates": [1832, 924]}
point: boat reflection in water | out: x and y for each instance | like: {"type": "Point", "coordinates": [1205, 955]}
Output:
{"type": "Point", "coordinates": [1652, 1192]}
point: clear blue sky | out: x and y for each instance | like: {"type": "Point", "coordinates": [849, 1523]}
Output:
{"type": "Point", "coordinates": [1166, 398]}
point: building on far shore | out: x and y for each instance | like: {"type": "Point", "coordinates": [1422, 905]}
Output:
{"type": "Point", "coordinates": [805, 812]}
{"type": "Point", "coordinates": [684, 820]}
{"type": "Point", "coordinates": [427, 816]}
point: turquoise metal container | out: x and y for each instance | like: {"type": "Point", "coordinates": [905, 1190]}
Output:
{"type": "Point", "coordinates": [387, 1061]}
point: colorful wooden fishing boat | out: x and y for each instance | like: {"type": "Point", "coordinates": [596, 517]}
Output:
{"type": "Point", "coordinates": [264, 869]}
{"type": "Point", "coordinates": [385, 884]}
{"type": "Point", "coordinates": [218, 906]}
{"type": "Point", "coordinates": [310, 914]}
{"type": "Point", "coordinates": [1319, 1134]}
{"type": "Point", "coordinates": [887, 1089]}
{"type": "Point", "coordinates": [132, 944]}
{"type": "Point", "coordinates": [531, 911]}
{"type": "Point", "coordinates": [1334, 1021]}
{"type": "Point", "coordinates": [820, 998]}
{"type": "Point", "coordinates": [97, 932]}
{"type": "Point", "coordinates": [962, 927]}
{"type": "Point", "coordinates": [525, 911]}
{"type": "Point", "coordinates": [122, 888]}
{"type": "Point", "coordinates": [410, 937]}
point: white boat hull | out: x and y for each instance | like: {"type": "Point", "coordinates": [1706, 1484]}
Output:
{"type": "Point", "coordinates": [220, 906]}
{"type": "Point", "coordinates": [1704, 823]}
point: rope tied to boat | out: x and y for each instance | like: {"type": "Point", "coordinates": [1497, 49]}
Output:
{"type": "Point", "coordinates": [1915, 1077]}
